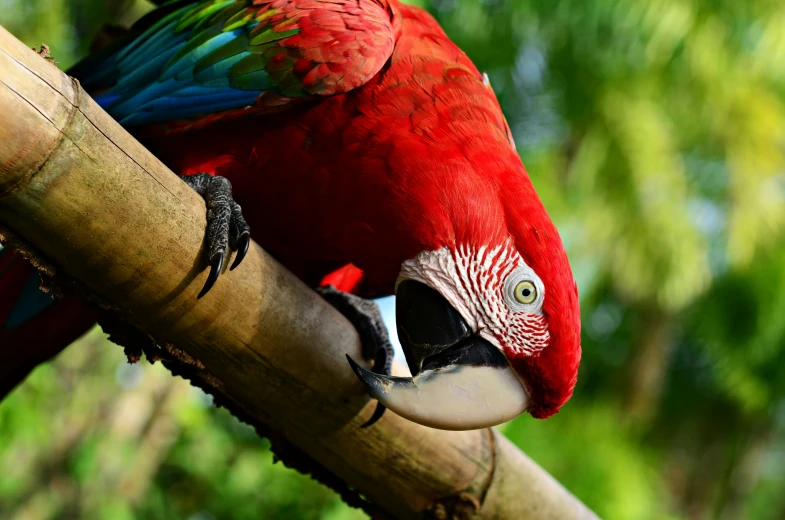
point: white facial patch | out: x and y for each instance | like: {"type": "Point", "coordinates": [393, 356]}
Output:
{"type": "Point", "coordinates": [480, 284]}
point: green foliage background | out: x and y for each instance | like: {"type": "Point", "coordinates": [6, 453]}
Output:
{"type": "Point", "coordinates": [653, 130]}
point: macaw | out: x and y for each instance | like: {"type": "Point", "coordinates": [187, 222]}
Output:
{"type": "Point", "coordinates": [366, 152]}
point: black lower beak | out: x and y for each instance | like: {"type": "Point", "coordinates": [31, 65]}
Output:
{"type": "Point", "coordinates": [434, 335]}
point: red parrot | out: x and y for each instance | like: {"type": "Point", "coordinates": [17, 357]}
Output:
{"type": "Point", "coordinates": [368, 152]}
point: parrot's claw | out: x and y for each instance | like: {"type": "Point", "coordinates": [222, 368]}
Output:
{"type": "Point", "coordinates": [215, 269]}
{"type": "Point", "coordinates": [226, 227]}
{"type": "Point", "coordinates": [242, 250]}
{"type": "Point", "coordinates": [366, 318]}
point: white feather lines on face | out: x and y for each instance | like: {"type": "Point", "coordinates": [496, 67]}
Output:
{"type": "Point", "coordinates": [480, 284]}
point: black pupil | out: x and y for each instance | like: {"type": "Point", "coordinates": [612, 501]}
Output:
{"type": "Point", "coordinates": [527, 292]}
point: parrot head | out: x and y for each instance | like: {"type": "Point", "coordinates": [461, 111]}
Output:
{"type": "Point", "coordinates": [489, 321]}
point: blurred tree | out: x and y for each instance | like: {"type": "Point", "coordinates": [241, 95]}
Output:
{"type": "Point", "coordinates": [67, 26]}
{"type": "Point", "coordinates": [90, 436]}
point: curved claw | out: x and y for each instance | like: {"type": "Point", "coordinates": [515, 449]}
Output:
{"type": "Point", "coordinates": [377, 414]}
{"type": "Point", "coordinates": [380, 408]}
{"type": "Point", "coordinates": [215, 270]}
{"type": "Point", "coordinates": [242, 250]}
{"type": "Point", "coordinates": [381, 365]}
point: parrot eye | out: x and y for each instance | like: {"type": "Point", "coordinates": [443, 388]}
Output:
{"type": "Point", "coordinates": [525, 292]}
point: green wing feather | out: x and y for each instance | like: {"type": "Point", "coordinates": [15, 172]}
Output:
{"type": "Point", "coordinates": [191, 59]}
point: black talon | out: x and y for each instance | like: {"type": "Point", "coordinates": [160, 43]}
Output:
{"type": "Point", "coordinates": [215, 269]}
{"type": "Point", "coordinates": [242, 250]}
{"type": "Point", "coordinates": [226, 227]}
{"type": "Point", "coordinates": [366, 318]}
{"type": "Point", "coordinates": [381, 365]}
{"type": "Point", "coordinates": [377, 414]}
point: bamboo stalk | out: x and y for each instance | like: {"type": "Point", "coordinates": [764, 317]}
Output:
{"type": "Point", "coordinates": [102, 209]}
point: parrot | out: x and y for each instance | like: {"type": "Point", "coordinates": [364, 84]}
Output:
{"type": "Point", "coordinates": [371, 157]}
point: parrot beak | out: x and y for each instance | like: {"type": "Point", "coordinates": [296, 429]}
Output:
{"type": "Point", "coordinates": [460, 381]}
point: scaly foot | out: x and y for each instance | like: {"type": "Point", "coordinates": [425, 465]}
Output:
{"type": "Point", "coordinates": [225, 223]}
{"type": "Point", "coordinates": [366, 318]}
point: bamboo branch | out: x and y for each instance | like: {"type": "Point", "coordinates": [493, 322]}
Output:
{"type": "Point", "coordinates": [104, 211]}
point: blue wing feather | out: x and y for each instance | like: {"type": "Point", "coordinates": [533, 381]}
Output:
{"type": "Point", "coordinates": [179, 67]}
{"type": "Point", "coordinates": [32, 301]}
{"type": "Point", "coordinates": [182, 67]}
{"type": "Point", "coordinates": [28, 302]}
{"type": "Point", "coordinates": [174, 108]}
{"type": "Point", "coordinates": [140, 77]}
{"type": "Point", "coordinates": [218, 74]}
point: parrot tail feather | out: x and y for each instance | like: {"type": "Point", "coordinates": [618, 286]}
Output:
{"type": "Point", "coordinates": [33, 327]}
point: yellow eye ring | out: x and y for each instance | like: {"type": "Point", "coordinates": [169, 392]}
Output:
{"type": "Point", "coordinates": [525, 292]}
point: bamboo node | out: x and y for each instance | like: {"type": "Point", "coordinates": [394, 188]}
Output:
{"type": "Point", "coordinates": [462, 506]}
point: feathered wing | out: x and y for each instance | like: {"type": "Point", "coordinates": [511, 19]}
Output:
{"type": "Point", "coordinates": [204, 60]}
